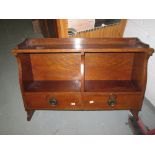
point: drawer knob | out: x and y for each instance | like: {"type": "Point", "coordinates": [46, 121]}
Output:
{"type": "Point", "coordinates": [53, 101]}
{"type": "Point", "coordinates": [112, 100]}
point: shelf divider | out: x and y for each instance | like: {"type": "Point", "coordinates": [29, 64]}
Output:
{"type": "Point", "coordinates": [82, 72]}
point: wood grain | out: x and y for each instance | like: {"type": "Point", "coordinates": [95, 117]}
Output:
{"type": "Point", "coordinates": [111, 86]}
{"type": "Point", "coordinates": [83, 77]}
{"type": "Point", "coordinates": [138, 69]}
{"type": "Point", "coordinates": [52, 86]}
{"type": "Point", "coordinates": [78, 45]}
{"type": "Point", "coordinates": [62, 26]}
{"type": "Point", "coordinates": [108, 66]}
{"type": "Point", "coordinates": [26, 68]}
{"type": "Point", "coordinates": [100, 102]}
{"type": "Point", "coordinates": [65, 101]}
{"type": "Point", "coordinates": [56, 66]}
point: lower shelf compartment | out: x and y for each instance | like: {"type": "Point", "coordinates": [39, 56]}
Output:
{"type": "Point", "coordinates": [52, 86]}
{"type": "Point", "coordinates": [75, 86]}
{"type": "Point", "coordinates": [111, 86]}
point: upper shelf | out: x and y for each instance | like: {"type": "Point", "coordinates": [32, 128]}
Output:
{"type": "Point", "coordinates": [82, 45]}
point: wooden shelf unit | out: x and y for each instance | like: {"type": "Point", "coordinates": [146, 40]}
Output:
{"type": "Point", "coordinates": [82, 74]}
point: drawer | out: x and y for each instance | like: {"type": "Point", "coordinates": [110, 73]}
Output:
{"type": "Point", "coordinates": [57, 101]}
{"type": "Point", "coordinates": [111, 102]}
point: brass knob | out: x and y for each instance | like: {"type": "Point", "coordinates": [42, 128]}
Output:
{"type": "Point", "coordinates": [112, 100]}
{"type": "Point", "coordinates": [53, 101]}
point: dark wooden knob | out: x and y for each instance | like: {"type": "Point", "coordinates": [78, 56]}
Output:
{"type": "Point", "coordinates": [112, 100]}
{"type": "Point", "coordinates": [53, 101]}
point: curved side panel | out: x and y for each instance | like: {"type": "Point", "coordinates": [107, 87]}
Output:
{"type": "Point", "coordinates": [24, 72]}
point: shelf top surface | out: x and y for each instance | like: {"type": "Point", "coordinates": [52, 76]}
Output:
{"type": "Point", "coordinates": [82, 44]}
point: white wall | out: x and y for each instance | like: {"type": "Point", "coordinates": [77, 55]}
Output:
{"type": "Point", "coordinates": [144, 29]}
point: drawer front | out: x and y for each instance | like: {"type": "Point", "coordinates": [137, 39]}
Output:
{"type": "Point", "coordinates": [112, 102]}
{"type": "Point", "coordinates": [57, 101]}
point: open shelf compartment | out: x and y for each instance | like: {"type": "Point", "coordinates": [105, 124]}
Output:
{"type": "Point", "coordinates": [114, 72]}
{"type": "Point", "coordinates": [111, 86]}
{"type": "Point", "coordinates": [52, 86]}
{"type": "Point", "coordinates": [51, 72]}
{"type": "Point", "coordinates": [103, 72]}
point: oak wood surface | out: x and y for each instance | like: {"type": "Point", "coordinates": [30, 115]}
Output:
{"type": "Point", "coordinates": [82, 74]}
{"type": "Point", "coordinates": [56, 66]}
{"type": "Point", "coordinates": [65, 101]}
{"type": "Point", "coordinates": [111, 86]}
{"type": "Point", "coordinates": [108, 66]}
{"type": "Point", "coordinates": [52, 86]}
{"type": "Point", "coordinates": [123, 101]}
{"type": "Point", "coordinates": [72, 101]}
{"type": "Point", "coordinates": [72, 45]}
